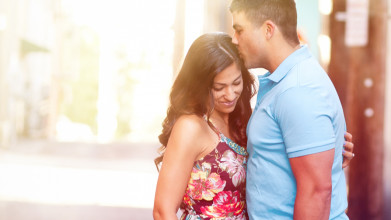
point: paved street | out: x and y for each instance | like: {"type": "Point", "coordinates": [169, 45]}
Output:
{"type": "Point", "coordinates": [43, 180]}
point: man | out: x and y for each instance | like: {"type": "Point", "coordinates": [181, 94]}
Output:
{"type": "Point", "coordinates": [296, 132]}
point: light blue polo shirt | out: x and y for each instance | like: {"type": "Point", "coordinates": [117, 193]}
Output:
{"type": "Point", "coordinates": [297, 113]}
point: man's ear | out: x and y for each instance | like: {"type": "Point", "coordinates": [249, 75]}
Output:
{"type": "Point", "coordinates": [270, 29]}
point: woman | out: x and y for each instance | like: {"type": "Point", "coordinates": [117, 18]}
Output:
{"type": "Point", "coordinates": [204, 135]}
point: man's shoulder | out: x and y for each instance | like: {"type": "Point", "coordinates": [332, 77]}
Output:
{"type": "Point", "coordinates": [309, 69]}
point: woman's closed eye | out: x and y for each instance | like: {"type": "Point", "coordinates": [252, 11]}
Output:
{"type": "Point", "coordinates": [237, 83]}
{"type": "Point", "coordinates": [218, 89]}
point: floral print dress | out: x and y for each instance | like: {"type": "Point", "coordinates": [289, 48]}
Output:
{"type": "Point", "coordinates": [216, 189]}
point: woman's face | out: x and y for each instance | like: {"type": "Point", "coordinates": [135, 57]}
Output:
{"type": "Point", "coordinates": [227, 88]}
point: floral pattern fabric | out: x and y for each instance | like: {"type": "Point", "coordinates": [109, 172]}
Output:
{"type": "Point", "coordinates": [216, 189]}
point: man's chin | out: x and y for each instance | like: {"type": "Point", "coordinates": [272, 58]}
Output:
{"type": "Point", "coordinates": [248, 65]}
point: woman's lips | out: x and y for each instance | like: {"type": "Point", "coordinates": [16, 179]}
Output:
{"type": "Point", "coordinates": [229, 104]}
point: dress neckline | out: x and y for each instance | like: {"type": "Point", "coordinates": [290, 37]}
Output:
{"type": "Point", "coordinates": [234, 146]}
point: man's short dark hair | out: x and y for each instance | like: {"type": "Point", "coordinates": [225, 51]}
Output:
{"type": "Point", "coordinates": [281, 12]}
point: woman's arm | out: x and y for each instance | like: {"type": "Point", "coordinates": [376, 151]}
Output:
{"type": "Point", "coordinates": [183, 148]}
{"type": "Point", "coordinates": [348, 150]}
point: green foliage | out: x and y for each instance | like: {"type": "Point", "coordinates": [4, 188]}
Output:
{"type": "Point", "coordinates": [125, 91]}
{"type": "Point", "coordinates": [83, 106]}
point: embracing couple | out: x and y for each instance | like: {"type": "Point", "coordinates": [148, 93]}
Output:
{"type": "Point", "coordinates": [282, 160]}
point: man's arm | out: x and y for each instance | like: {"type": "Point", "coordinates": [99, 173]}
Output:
{"type": "Point", "coordinates": [305, 119]}
{"type": "Point", "coordinates": [313, 178]}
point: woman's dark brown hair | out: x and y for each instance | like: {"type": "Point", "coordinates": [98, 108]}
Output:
{"type": "Point", "coordinates": [191, 92]}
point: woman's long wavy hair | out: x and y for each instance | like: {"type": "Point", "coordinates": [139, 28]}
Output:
{"type": "Point", "coordinates": [191, 92]}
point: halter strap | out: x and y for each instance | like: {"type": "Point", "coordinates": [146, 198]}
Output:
{"type": "Point", "coordinates": [214, 128]}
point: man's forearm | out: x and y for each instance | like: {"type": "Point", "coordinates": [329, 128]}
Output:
{"type": "Point", "coordinates": [312, 205]}
{"type": "Point", "coordinates": [314, 185]}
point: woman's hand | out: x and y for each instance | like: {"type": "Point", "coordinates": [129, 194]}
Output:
{"type": "Point", "coordinates": [348, 150]}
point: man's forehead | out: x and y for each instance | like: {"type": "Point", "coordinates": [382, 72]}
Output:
{"type": "Point", "coordinates": [239, 18]}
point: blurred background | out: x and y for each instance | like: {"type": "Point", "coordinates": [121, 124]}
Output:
{"type": "Point", "coordinates": [84, 89]}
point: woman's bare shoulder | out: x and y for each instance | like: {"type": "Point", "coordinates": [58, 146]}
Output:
{"type": "Point", "coordinates": [192, 125]}
{"type": "Point", "coordinates": [188, 135]}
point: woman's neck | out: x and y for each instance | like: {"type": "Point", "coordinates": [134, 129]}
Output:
{"type": "Point", "coordinates": [220, 118]}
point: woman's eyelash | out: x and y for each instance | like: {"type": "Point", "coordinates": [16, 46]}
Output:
{"type": "Point", "coordinates": [237, 83]}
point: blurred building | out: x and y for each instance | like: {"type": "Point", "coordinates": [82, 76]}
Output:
{"type": "Point", "coordinates": [28, 39]}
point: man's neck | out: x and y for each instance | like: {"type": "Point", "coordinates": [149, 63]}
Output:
{"type": "Point", "coordinates": [281, 53]}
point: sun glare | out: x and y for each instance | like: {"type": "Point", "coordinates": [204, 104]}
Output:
{"type": "Point", "coordinates": [142, 32]}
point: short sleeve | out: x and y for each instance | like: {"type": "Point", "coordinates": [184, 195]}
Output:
{"type": "Point", "coordinates": [305, 120]}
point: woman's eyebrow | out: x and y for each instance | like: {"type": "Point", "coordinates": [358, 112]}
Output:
{"type": "Point", "coordinates": [234, 80]}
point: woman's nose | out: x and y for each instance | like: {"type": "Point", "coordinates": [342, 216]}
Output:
{"type": "Point", "coordinates": [230, 94]}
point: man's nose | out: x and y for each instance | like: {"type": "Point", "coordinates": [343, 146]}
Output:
{"type": "Point", "coordinates": [234, 40]}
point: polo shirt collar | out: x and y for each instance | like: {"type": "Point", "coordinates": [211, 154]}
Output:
{"type": "Point", "coordinates": [297, 56]}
